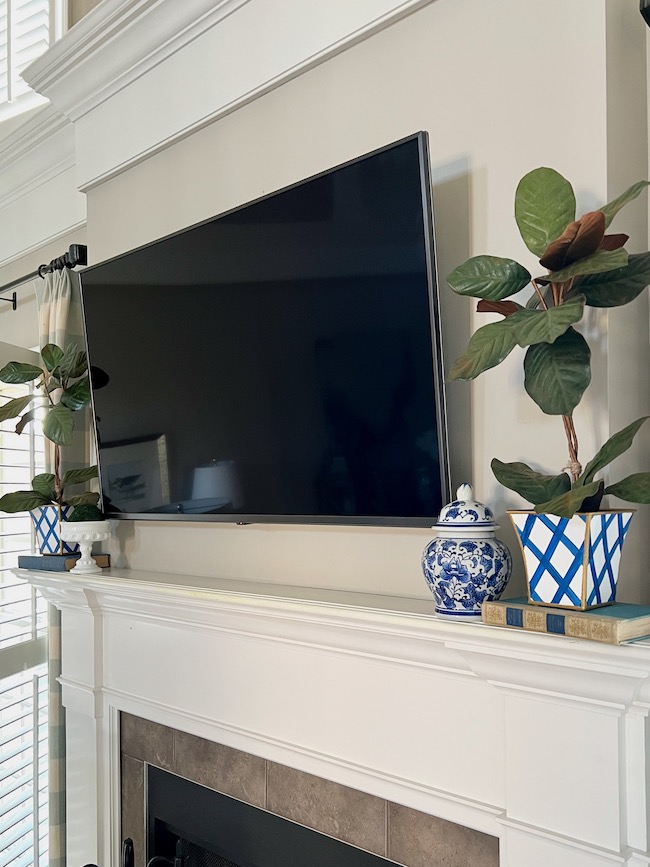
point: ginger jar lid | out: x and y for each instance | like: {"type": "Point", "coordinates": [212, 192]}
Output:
{"type": "Point", "coordinates": [465, 511]}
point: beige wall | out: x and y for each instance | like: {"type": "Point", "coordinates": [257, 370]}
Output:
{"type": "Point", "coordinates": [495, 105]}
{"type": "Point", "coordinates": [78, 8]}
{"type": "Point", "coordinates": [471, 75]}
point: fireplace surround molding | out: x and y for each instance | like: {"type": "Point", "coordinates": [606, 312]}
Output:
{"type": "Point", "coordinates": [539, 740]}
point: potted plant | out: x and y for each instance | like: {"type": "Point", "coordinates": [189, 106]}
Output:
{"type": "Point", "coordinates": [62, 388]}
{"type": "Point", "coordinates": [571, 547]}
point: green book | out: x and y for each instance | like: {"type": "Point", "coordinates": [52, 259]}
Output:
{"type": "Point", "coordinates": [611, 624]}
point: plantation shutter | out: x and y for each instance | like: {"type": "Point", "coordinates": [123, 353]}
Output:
{"type": "Point", "coordinates": [25, 33]}
{"type": "Point", "coordinates": [23, 669]}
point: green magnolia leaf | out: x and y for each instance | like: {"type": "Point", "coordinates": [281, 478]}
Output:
{"type": "Point", "coordinates": [487, 347]}
{"type": "Point", "coordinates": [86, 499]}
{"type": "Point", "coordinates": [22, 501]}
{"type": "Point", "coordinates": [567, 504]}
{"type": "Point", "coordinates": [77, 395]}
{"type": "Point", "coordinates": [545, 204]}
{"type": "Point", "coordinates": [77, 477]}
{"type": "Point", "coordinates": [615, 446]}
{"type": "Point", "coordinates": [633, 489]}
{"type": "Point", "coordinates": [25, 419]}
{"type": "Point", "coordinates": [557, 374]}
{"type": "Point", "coordinates": [489, 277]}
{"type": "Point", "coordinates": [532, 486]}
{"type": "Point", "coordinates": [16, 372]}
{"type": "Point", "coordinates": [615, 288]}
{"type": "Point", "coordinates": [68, 361]}
{"type": "Point", "coordinates": [58, 425]}
{"type": "Point", "coordinates": [603, 260]}
{"type": "Point", "coordinates": [612, 208]}
{"type": "Point", "coordinates": [78, 366]}
{"type": "Point", "coordinates": [14, 407]}
{"type": "Point", "coordinates": [51, 355]}
{"type": "Point", "coordinates": [545, 326]}
{"type": "Point", "coordinates": [43, 484]}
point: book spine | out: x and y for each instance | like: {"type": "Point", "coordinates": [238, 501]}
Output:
{"type": "Point", "coordinates": [555, 622]}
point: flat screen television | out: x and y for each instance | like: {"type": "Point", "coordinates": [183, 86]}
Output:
{"type": "Point", "coordinates": [280, 362]}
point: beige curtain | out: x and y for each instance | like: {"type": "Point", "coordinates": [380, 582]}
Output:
{"type": "Point", "coordinates": [60, 321]}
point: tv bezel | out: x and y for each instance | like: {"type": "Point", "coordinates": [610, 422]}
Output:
{"type": "Point", "coordinates": [435, 322]}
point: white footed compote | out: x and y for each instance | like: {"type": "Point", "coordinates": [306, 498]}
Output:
{"type": "Point", "coordinates": [84, 533]}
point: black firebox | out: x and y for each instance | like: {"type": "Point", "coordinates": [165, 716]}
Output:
{"type": "Point", "coordinates": [189, 825]}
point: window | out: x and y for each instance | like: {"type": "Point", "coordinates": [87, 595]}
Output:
{"type": "Point", "coordinates": [27, 29]}
{"type": "Point", "coordinates": [23, 671]}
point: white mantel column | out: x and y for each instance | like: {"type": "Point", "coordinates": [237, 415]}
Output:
{"type": "Point", "coordinates": [86, 747]}
{"type": "Point", "coordinates": [577, 764]}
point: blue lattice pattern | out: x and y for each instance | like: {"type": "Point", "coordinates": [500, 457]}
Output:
{"type": "Point", "coordinates": [572, 562]}
{"type": "Point", "coordinates": [46, 523]}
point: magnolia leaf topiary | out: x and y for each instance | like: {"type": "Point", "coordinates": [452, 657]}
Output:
{"type": "Point", "coordinates": [567, 504]}
{"type": "Point", "coordinates": [603, 260]}
{"type": "Point", "coordinates": [532, 486]}
{"type": "Point", "coordinates": [545, 326]}
{"type": "Point", "coordinates": [612, 208]}
{"type": "Point", "coordinates": [545, 204]}
{"type": "Point", "coordinates": [487, 347]}
{"type": "Point", "coordinates": [615, 288]}
{"type": "Point", "coordinates": [557, 374]}
{"type": "Point", "coordinates": [633, 489]}
{"type": "Point", "coordinates": [489, 277]}
{"type": "Point", "coordinates": [615, 446]}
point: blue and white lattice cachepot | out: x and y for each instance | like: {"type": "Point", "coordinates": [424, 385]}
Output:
{"type": "Point", "coordinates": [572, 562]}
{"type": "Point", "coordinates": [47, 520]}
{"type": "Point", "coordinates": [466, 565]}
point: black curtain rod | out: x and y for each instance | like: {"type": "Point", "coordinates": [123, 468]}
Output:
{"type": "Point", "coordinates": [76, 255]}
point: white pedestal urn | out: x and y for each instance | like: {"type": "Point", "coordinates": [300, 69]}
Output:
{"type": "Point", "coordinates": [466, 565]}
{"type": "Point", "coordinates": [85, 533]}
{"type": "Point", "coordinates": [572, 562]}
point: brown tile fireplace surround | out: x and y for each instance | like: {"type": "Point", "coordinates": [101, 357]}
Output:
{"type": "Point", "coordinates": [401, 834]}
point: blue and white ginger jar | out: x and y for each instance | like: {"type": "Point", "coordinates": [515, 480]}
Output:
{"type": "Point", "coordinates": [466, 565]}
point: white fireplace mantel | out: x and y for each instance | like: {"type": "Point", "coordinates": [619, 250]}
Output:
{"type": "Point", "coordinates": [539, 740]}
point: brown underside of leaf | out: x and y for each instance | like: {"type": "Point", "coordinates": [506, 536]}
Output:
{"type": "Point", "coordinates": [505, 308]}
{"type": "Point", "coordinates": [580, 238]}
{"type": "Point", "coordinates": [613, 242]}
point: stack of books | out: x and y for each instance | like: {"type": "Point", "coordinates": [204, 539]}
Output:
{"type": "Point", "coordinates": [58, 562]}
{"type": "Point", "coordinates": [611, 624]}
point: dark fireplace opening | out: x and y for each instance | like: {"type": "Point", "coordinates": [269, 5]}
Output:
{"type": "Point", "coordinates": [192, 826]}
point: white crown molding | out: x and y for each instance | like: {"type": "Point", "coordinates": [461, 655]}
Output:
{"type": "Point", "coordinates": [86, 66]}
{"type": "Point", "coordinates": [42, 242]}
{"type": "Point", "coordinates": [110, 57]}
{"type": "Point", "coordinates": [34, 153]}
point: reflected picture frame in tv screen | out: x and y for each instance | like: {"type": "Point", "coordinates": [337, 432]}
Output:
{"type": "Point", "coordinates": [280, 362]}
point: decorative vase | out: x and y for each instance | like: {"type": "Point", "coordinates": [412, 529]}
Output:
{"type": "Point", "coordinates": [85, 533]}
{"type": "Point", "coordinates": [47, 523]}
{"type": "Point", "coordinates": [466, 565]}
{"type": "Point", "coordinates": [572, 562]}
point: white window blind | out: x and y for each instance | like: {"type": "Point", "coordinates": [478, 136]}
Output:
{"type": "Point", "coordinates": [23, 671]}
{"type": "Point", "coordinates": [27, 29]}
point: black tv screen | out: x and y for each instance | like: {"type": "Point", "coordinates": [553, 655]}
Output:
{"type": "Point", "coordinates": [280, 362]}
